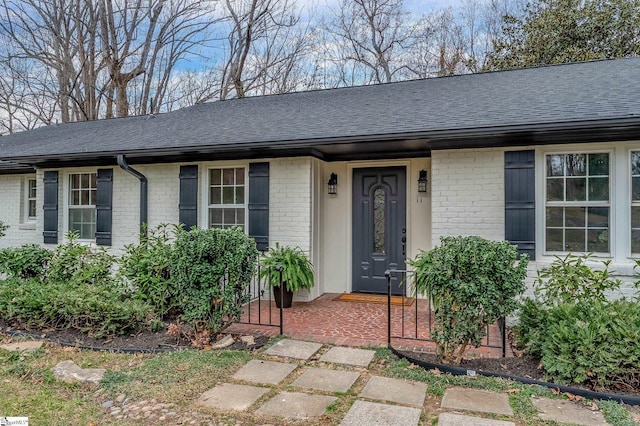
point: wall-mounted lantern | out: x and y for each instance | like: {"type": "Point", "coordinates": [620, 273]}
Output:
{"type": "Point", "coordinates": [333, 184]}
{"type": "Point", "coordinates": [422, 181]}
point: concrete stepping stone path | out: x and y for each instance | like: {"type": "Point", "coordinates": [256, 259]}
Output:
{"type": "Point", "coordinates": [296, 405]}
{"type": "Point", "coordinates": [264, 372]}
{"type": "Point", "coordinates": [476, 400]}
{"type": "Point", "coordinates": [567, 412]}
{"type": "Point", "coordinates": [326, 380]}
{"type": "Point", "coordinates": [231, 397]}
{"type": "Point", "coordinates": [364, 413]}
{"type": "Point", "coordinates": [395, 390]}
{"type": "Point", "coordinates": [25, 346]}
{"type": "Point", "coordinates": [348, 356]}
{"type": "Point", "coordinates": [297, 349]}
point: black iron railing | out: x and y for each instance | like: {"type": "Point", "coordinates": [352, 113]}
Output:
{"type": "Point", "coordinates": [259, 309]}
{"type": "Point", "coordinates": [417, 322]}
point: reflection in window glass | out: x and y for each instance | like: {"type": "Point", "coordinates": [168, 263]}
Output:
{"type": "Point", "coordinates": [227, 206]}
{"type": "Point", "coordinates": [379, 196]}
{"type": "Point", "coordinates": [577, 212]}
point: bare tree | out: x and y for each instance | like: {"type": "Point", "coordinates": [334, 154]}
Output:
{"type": "Point", "coordinates": [372, 34]}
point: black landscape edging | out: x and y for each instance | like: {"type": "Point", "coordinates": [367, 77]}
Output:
{"type": "Point", "coordinates": [459, 371]}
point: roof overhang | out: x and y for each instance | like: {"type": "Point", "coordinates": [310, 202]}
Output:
{"type": "Point", "coordinates": [366, 147]}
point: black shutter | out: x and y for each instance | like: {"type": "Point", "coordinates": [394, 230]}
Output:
{"type": "Point", "coordinates": [50, 207]}
{"type": "Point", "coordinates": [188, 196]}
{"type": "Point", "coordinates": [520, 200]}
{"type": "Point", "coordinates": [104, 201]}
{"type": "Point", "coordinates": [259, 204]}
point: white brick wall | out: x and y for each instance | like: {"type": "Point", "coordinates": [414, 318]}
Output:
{"type": "Point", "coordinates": [11, 212]}
{"type": "Point", "coordinates": [290, 204]}
{"type": "Point", "coordinates": [467, 193]}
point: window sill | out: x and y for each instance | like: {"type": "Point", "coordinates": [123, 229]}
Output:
{"type": "Point", "coordinates": [28, 226]}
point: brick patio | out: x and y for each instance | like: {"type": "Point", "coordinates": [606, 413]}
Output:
{"type": "Point", "coordinates": [327, 320]}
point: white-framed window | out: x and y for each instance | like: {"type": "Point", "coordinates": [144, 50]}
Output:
{"type": "Point", "coordinates": [227, 197]}
{"type": "Point", "coordinates": [30, 200]}
{"type": "Point", "coordinates": [82, 204]}
{"type": "Point", "coordinates": [578, 202]}
{"type": "Point", "coordinates": [635, 202]}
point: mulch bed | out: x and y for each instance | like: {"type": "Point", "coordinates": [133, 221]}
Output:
{"type": "Point", "coordinates": [523, 366]}
{"type": "Point", "coordinates": [145, 341]}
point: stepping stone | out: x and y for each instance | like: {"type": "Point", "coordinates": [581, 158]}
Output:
{"type": "Point", "coordinates": [266, 372]}
{"type": "Point", "coordinates": [68, 371]}
{"type": "Point", "coordinates": [567, 412]}
{"type": "Point", "coordinates": [296, 405]}
{"type": "Point", "coordinates": [476, 400]}
{"type": "Point", "coordinates": [364, 413]}
{"type": "Point", "coordinates": [395, 390]}
{"type": "Point", "coordinates": [327, 380]}
{"type": "Point", "coordinates": [231, 397]}
{"type": "Point", "coordinates": [349, 356]}
{"type": "Point", "coordinates": [26, 346]}
{"type": "Point", "coordinates": [450, 419]}
{"type": "Point", "coordinates": [297, 349]}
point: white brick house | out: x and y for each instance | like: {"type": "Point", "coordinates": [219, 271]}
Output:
{"type": "Point", "coordinates": [548, 158]}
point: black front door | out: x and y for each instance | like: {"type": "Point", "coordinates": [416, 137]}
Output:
{"type": "Point", "coordinates": [379, 227]}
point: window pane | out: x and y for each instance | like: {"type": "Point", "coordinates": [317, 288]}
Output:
{"type": "Point", "coordinates": [93, 177]}
{"type": "Point", "coordinates": [635, 217]}
{"type": "Point", "coordinates": [554, 240]}
{"type": "Point", "coordinates": [598, 164]}
{"type": "Point", "coordinates": [84, 198]}
{"type": "Point", "coordinates": [554, 216]}
{"type": "Point", "coordinates": [576, 165]}
{"type": "Point", "coordinates": [75, 181]}
{"type": "Point", "coordinates": [229, 216]}
{"type": "Point", "coordinates": [635, 163]}
{"type": "Point", "coordinates": [84, 181]}
{"type": "Point", "coordinates": [32, 208]}
{"type": "Point", "coordinates": [75, 198]}
{"type": "Point", "coordinates": [227, 176]}
{"type": "Point", "coordinates": [240, 195]}
{"type": "Point", "coordinates": [598, 240]}
{"type": "Point", "coordinates": [574, 217]}
{"type": "Point", "coordinates": [574, 240]}
{"type": "Point", "coordinates": [240, 176]}
{"type": "Point", "coordinates": [555, 165]}
{"type": "Point", "coordinates": [635, 241]}
{"type": "Point", "coordinates": [599, 189]}
{"type": "Point", "coordinates": [216, 176]}
{"type": "Point", "coordinates": [240, 216]}
{"type": "Point", "coordinates": [635, 188]}
{"type": "Point", "coordinates": [598, 217]}
{"type": "Point", "coordinates": [83, 221]}
{"type": "Point", "coordinates": [215, 216]}
{"type": "Point", "coordinates": [215, 195]}
{"type": "Point", "coordinates": [555, 190]}
{"type": "Point", "coordinates": [227, 195]}
{"type": "Point", "coordinates": [576, 189]}
{"type": "Point", "coordinates": [32, 188]}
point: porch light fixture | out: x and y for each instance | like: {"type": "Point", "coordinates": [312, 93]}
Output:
{"type": "Point", "coordinates": [333, 184]}
{"type": "Point", "coordinates": [422, 181]}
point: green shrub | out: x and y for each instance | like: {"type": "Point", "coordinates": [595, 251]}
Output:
{"type": "Point", "coordinates": [79, 263]}
{"type": "Point", "coordinates": [98, 309]}
{"type": "Point", "coordinates": [473, 282]}
{"type": "Point", "coordinates": [297, 270]}
{"type": "Point", "coordinates": [146, 267]}
{"type": "Point", "coordinates": [210, 270]}
{"type": "Point", "coordinates": [28, 261]}
{"type": "Point", "coordinates": [592, 342]}
{"type": "Point", "coordinates": [570, 280]}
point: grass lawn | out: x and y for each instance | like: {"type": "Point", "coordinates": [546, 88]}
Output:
{"type": "Point", "coordinates": [27, 387]}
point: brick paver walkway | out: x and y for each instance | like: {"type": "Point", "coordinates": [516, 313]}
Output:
{"type": "Point", "coordinates": [327, 320]}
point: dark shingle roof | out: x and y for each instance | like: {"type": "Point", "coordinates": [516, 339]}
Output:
{"type": "Point", "coordinates": [527, 97]}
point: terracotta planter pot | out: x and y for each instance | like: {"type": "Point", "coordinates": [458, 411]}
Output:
{"type": "Point", "coordinates": [287, 297]}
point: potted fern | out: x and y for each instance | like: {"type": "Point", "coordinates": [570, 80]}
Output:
{"type": "Point", "coordinates": [297, 272]}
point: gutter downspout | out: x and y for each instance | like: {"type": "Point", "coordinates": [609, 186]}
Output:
{"type": "Point", "coordinates": [122, 162]}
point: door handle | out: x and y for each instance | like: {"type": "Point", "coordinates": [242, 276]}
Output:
{"type": "Point", "coordinates": [404, 245]}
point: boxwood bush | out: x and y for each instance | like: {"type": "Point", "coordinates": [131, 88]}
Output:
{"type": "Point", "coordinates": [472, 282]}
{"type": "Point", "coordinates": [28, 261]}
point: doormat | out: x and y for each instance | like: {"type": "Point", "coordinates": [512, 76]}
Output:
{"type": "Point", "coordinates": [374, 298]}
